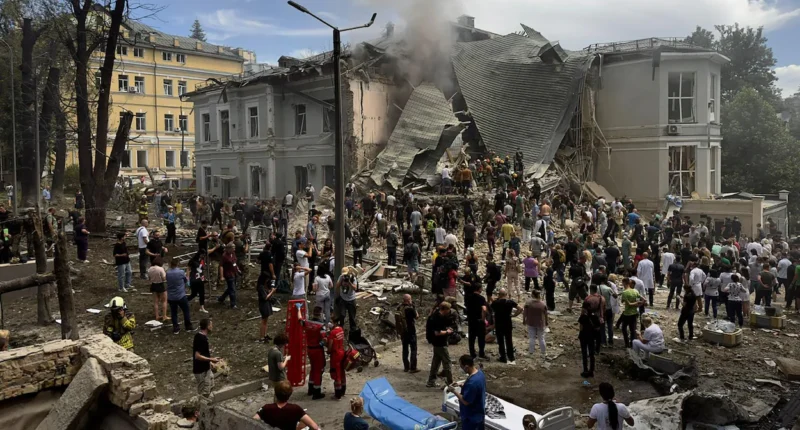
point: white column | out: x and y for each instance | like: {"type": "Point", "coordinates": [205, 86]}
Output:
{"type": "Point", "coordinates": [270, 178]}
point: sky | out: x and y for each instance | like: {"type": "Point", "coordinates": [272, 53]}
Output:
{"type": "Point", "coordinates": [272, 28]}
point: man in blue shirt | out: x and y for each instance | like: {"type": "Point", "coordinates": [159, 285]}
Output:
{"type": "Point", "coordinates": [632, 217]}
{"type": "Point", "coordinates": [472, 398]}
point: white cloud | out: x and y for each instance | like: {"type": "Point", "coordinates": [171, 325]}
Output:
{"type": "Point", "coordinates": [228, 23]}
{"type": "Point", "coordinates": [329, 16]}
{"type": "Point", "coordinates": [579, 23]}
{"type": "Point", "coordinates": [788, 79]}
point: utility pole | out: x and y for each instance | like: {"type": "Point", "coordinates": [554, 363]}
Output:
{"type": "Point", "coordinates": [13, 125]}
{"type": "Point", "coordinates": [339, 211]}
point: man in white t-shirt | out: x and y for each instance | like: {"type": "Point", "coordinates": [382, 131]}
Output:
{"type": "Point", "coordinates": [288, 199]}
{"type": "Point", "coordinates": [696, 279]}
{"type": "Point", "coordinates": [446, 180]}
{"type": "Point", "coordinates": [142, 237]}
{"type": "Point", "coordinates": [302, 258]}
{"type": "Point", "coordinates": [667, 258]}
{"type": "Point", "coordinates": [651, 340]}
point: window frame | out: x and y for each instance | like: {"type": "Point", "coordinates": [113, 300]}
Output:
{"type": "Point", "coordinates": [140, 51]}
{"type": "Point", "coordinates": [122, 50]}
{"type": "Point", "coordinates": [143, 117]}
{"type": "Point", "coordinates": [166, 159]}
{"type": "Point", "coordinates": [120, 80]}
{"type": "Point", "coordinates": [139, 151]}
{"type": "Point", "coordinates": [167, 87]}
{"type": "Point", "coordinates": [169, 122]}
{"type": "Point", "coordinates": [252, 122]}
{"type": "Point", "coordinates": [182, 87]}
{"type": "Point", "coordinates": [300, 119]}
{"type": "Point", "coordinates": [251, 170]}
{"type": "Point", "coordinates": [713, 99]}
{"type": "Point", "coordinates": [139, 80]}
{"type": "Point", "coordinates": [205, 126]}
{"type": "Point", "coordinates": [224, 143]}
{"type": "Point", "coordinates": [184, 154]}
{"type": "Point", "coordinates": [207, 178]}
{"type": "Point", "coordinates": [328, 118]}
{"type": "Point", "coordinates": [183, 123]}
{"type": "Point", "coordinates": [178, 57]}
{"type": "Point", "coordinates": [713, 169]}
{"type": "Point", "coordinates": [166, 55]}
{"type": "Point", "coordinates": [680, 171]}
{"type": "Point", "coordinates": [680, 98]}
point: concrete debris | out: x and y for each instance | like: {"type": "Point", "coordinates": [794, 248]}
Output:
{"type": "Point", "coordinates": [789, 367]}
{"type": "Point", "coordinates": [80, 395]}
{"type": "Point", "coordinates": [658, 412]}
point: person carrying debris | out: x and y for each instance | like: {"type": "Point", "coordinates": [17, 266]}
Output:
{"type": "Point", "coordinates": [119, 324]}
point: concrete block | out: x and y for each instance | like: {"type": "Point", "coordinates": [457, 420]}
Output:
{"type": "Point", "coordinates": [789, 367]}
{"type": "Point", "coordinates": [138, 408]}
{"type": "Point", "coordinates": [161, 406]}
{"type": "Point", "coordinates": [80, 395]}
{"type": "Point", "coordinates": [232, 391]}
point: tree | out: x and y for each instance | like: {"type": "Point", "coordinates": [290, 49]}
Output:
{"type": "Point", "coordinates": [759, 155]}
{"type": "Point", "coordinates": [702, 38]}
{"type": "Point", "coordinates": [98, 173]}
{"type": "Point", "coordinates": [751, 62]}
{"type": "Point", "coordinates": [197, 31]}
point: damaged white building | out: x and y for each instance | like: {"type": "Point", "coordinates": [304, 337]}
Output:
{"type": "Point", "coordinates": [639, 118]}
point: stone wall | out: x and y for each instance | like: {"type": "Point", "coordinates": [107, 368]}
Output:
{"type": "Point", "coordinates": [38, 367]}
{"type": "Point", "coordinates": [131, 386]}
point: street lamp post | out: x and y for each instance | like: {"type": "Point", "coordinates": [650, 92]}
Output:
{"type": "Point", "coordinates": [13, 124]}
{"type": "Point", "coordinates": [339, 212]}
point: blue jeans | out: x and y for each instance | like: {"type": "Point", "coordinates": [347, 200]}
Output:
{"type": "Point", "coordinates": [124, 275]}
{"type": "Point", "coordinates": [229, 291]}
{"type": "Point", "coordinates": [183, 303]}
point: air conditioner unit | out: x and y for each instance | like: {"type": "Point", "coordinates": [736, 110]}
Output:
{"type": "Point", "coordinates": [673, 129]}
{"type": "Point", "coordinates": [132, 90]}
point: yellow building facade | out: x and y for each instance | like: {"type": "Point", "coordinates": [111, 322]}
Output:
{"type": "Point", "coordinates": [151, 72]}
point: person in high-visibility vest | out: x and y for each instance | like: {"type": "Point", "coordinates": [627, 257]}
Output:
{"type": "Point", "coordinates": [119, 324]}
{"type": "Point", "coordinates": [315, 341]}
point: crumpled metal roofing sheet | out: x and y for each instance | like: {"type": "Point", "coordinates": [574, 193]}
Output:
{"type": "Point", "coordinates": [419, 129]}
{"type": "Point", "coordinates": [516, 100]}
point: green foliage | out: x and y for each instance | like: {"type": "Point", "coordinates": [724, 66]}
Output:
{"type": "Point", "coordinates": [72, 179]}
{"type": "Point", "coordinates": [751, 62]}
{"type": "Point", "coordinates": [759, 155]}
{"type": "Point", "coordinates": [197, 31]}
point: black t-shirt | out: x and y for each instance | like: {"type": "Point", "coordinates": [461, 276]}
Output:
{"type": "Point", "coordinates": [202, 244]}
{"type": "Point", "coordinates": [285, 418]}
{"type": "Point", "coordinates": [411, 319]}
{"type": "Point", "coordinates": [502, 312]}
{"type": "Point", "coordinates": [686, 254]}
{"type": "Point", "coordinates": [155, 246]}
{"type": "Point", "coordinates": [474, 303]}
{"type": "Point", "coordinates": [676, 271]}
{"type": "Point", "coordinates": [612, 255]}
{"type": "Point", "coordinates": [469, 231]}
{"type": "Point", "coordinates": [121, 248]}
{"type": "Point", "coordinates": [265, 258]}
{"type": "Point", "coordinates": [200, 345]}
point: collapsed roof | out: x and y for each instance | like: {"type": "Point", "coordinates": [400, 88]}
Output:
{"type": "Point", "coordinates": [519, 98]}
{"type": "Point", "coordinates": [425, 129]}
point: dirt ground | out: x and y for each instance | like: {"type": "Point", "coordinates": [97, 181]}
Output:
{"type": "Point", "coordinates": [531, 383]}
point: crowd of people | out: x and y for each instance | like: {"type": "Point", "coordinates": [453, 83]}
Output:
{"type": "Point", "coordinates": [608, 257]}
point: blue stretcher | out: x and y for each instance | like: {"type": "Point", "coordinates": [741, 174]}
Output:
{"type": "Point", "coordinates": [383, 404]}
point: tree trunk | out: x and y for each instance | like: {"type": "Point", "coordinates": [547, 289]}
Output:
{"type": "Point", "coordinates": [57, 188]}
{"type": "Point", "coordinates": [50, 102]}
{"type": "Point", "coordinates": [69, 324]}
{"type": "Point", "coordinates": [44, 290]}
{"type": "Point", "coordinates": [98, 180]}
{"type": "Point", "coordinates": [26, 282]}
{"type": "Point", "coordinates": [26, 165]}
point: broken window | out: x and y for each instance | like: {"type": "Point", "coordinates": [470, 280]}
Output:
{"type": "Point", "coordinates": [329, 176]}
{"type": "Point", "coordinates": [183, 123]}
{"type": "Point", "coordinates": [141, 159]}
{"type": "Point", "coordinates": [207, 179]}
{"type": "Point", "coordinates": [328, 117]}
{"type": "Point", "coordinates": [255, 181]}
{"type": "Point", "coordinates": [126, 159]}
{"type": "Point", "coordinates": [206, 118]}
{"type": "Point", "coordinates": [299, 120]}
{"type": "Point", "coordinates": [682, 170]}
{"type": "Point", "coordinates": [181, 88]}
{"type": "Point", "coordinates": [224, 129]}
{"type": "Point", "coordinates": [170, 159]}
{"type": "Point", "coordinates": [680, 97]}
{"type": "Point", "coordinates": [252, 113]}
{"type": "Point", "coordinates": [300, 178]}
{"type": "Point", "coordinates": [138, 83]}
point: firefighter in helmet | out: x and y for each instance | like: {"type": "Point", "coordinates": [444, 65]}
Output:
{"type": "Point", "coordinates": [119, 323]}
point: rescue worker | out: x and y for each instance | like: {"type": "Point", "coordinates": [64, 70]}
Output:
{"type": "Point", "coordinates": [119, 324]}
{"type": "Point", "coordinates": [315, 340]}
{"type": "Point", "coordinates": [337, 350]}
{"type": "Point", "coordinates": [143, 209]}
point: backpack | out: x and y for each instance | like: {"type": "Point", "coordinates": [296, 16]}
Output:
{"type": "Point", "coordinates": [400, 321]}
{"type": "Point", "coordinates": [430, 334]}
{"type": "Point", "coordinates": [431, 225]}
